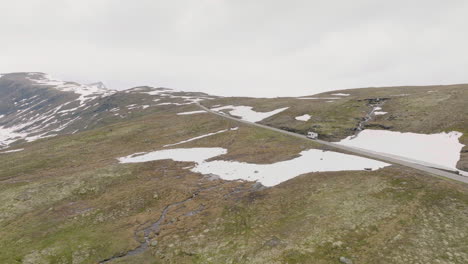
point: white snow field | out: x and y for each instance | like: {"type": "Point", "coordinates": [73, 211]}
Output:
{"type": "Point", "coordinates": [312, 160]}
{"type": "Point", "coordinates": [246, 113]}
{"type": "Point", "coordinates": [202, 136]}
{"type": "Point", "coordinates": [192, 112]}
{"type": "Point", "coordinates": [380, 113]}
{"type": "Point", "coordinates": [340, 94]}
{"type": "Point", "coordinates": [304, 118]}
{"type": "Point", "coordinates": [197, 155]}
{"type": "Point", "coordinates": [11, 151]}
{"type": "Point", "coordinates": [441, 150]}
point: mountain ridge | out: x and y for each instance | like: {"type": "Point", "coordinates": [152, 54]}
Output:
{"type": "Point", "coordinates": [35, 106]}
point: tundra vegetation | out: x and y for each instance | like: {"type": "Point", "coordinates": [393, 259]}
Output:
{"type": "Point", "coordinates": [67, 199]}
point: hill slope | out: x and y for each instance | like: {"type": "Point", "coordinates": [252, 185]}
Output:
{"type": "Point", "coordinates": [339, 114]}
{"type": "Point", "coordinates": [68, 199]}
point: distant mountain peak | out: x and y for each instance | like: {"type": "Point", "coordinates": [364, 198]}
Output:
{"type": "Point", "coordinates": [98, 85]}
{"type": "Point", "coordinates": [47, 80]}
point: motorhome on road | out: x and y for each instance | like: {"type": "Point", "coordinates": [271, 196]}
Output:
{"type": "Point", "coordinates": [312, 135]}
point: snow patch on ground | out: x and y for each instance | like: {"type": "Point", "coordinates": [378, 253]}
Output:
{"type": "Point", "coordinates": [192, 112]}
{"type": "Point", "coordinates": [313, 160]}
{"type": "Point", "coordinates": [441, 149]}
{"type": "Point", "coordinates": [340, 94]}
{"type": "Point", "coordinates": [380, 113]}
{"type": "Point", "coordinates": [200, 137]}
{"type": "Point", "coordinates": [246, 113]}
{"type": "Point", "coordinates": [197, 155]}
{"type": "Point", "coordinates": [304, 118]}
{"type": "Point", "coordinates": [11, 151]}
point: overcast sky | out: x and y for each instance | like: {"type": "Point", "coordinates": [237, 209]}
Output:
{"type": "Point", "coordinates": [239, 47]}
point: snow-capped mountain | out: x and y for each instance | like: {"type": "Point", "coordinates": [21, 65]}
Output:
{"type": "Point", "coordinates": [98, 85]}
{"type": "Point", "coordinates": [86, 92]}
{"type": "Point", "coordinates": [36, 105]}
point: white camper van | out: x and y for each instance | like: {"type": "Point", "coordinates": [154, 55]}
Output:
{"type": "Point", "coordinates": [312, 135]}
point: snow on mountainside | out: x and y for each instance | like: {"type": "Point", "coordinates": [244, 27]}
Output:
{"type": "Point", "coordinates": [35, 105]}
{"type": "Point", "coordinates": [30, 109]}
{"type": "Point", "coordinates": [86, 92]}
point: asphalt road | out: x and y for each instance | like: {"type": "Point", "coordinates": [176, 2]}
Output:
{"type": "Point", "coordinates": [362, 152]}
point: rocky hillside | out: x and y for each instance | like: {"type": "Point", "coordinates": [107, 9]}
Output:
{"type": "Point", "coordinates": [91, 175]}
{"type": "Point", "coordinates": [35, 106]}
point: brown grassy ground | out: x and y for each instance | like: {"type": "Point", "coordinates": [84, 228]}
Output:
{"type": "Point", "coordinates": [425, 109]}
{"type": "Point", "coordinates": [67, 200]}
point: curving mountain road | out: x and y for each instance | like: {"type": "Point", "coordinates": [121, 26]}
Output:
{"type": "Point", "coordinates": [362, 152]}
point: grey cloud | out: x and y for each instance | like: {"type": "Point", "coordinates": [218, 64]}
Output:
{"type": "Point", "coordinates": [238, 47]}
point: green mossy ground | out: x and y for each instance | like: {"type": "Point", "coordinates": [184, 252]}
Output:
{"type": "Point", "coordinates": [67, 200]}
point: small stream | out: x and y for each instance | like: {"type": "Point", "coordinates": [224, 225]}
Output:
{"type": "Point", "coordinates": [153, 228]}
{"type": "Point", "coordinates": [375, 104]}
{"type": "Point", "coordinates": [156, 226]}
